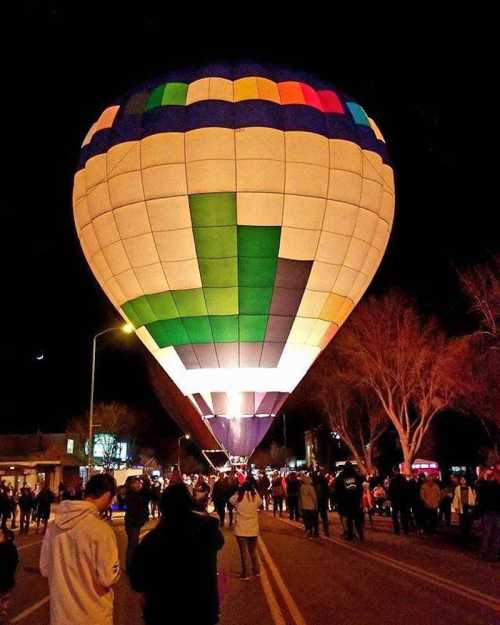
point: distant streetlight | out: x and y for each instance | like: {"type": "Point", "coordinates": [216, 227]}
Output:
{"type": "Point", "coordinates": [127, 329]}
{"type": "Point", "coordinates": [187, 437]}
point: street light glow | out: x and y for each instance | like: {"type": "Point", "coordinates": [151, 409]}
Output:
{"type": "Point", "coordinates": [128, 328]}
{"type": "Point", "coordinates": [188, 436]}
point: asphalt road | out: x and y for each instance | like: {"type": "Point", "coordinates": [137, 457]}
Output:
{"type": "Point", "coordinates": [388, 580]}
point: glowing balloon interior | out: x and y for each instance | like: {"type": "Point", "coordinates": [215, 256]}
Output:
{"type": "Point", "coordinates": [234, 216]}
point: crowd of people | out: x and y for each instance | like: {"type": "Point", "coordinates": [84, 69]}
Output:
{"type": "Point", "coordinates": [80, 556]}
{"type": "Point", "coordinates": [25, 507]}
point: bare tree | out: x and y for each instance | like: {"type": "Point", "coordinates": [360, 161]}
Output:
{"type": "Point", "coordinates": [406, 361]}
{"type": "Point", "coordinates": [481, 284]}
{"type": "Point", "coordinates": [115, 423]}
{"type": "Point", "coordinates": [354, 415]}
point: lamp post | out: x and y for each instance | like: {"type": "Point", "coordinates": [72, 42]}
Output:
{"type": "Point", "coordinates": [128, 329]}
{"type": "Point", "coordinates": [187, 437]}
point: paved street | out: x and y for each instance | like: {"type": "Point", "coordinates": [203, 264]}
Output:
{"type": "Point", "coordinates": [388, 580]}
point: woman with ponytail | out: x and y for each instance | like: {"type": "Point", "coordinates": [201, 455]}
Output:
{"type": "Point", "coordinates": [247, 502]}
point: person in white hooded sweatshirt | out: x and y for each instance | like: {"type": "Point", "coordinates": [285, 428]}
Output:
{"type": "Point", "coordinates": [80, 557]}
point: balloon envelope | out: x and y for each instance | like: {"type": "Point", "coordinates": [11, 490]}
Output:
{"type": "Point", "coordinates": [234, 215]}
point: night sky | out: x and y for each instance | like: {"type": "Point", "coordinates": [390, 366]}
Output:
{"type": "Point", "coordinates": [74, 64]}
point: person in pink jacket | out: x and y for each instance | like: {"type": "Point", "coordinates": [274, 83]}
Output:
{"type": "Point", "coordinates": [80, 558]}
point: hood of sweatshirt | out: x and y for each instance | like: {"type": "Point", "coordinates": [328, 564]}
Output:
{"type": "Point", "coordinates": [72, 512]}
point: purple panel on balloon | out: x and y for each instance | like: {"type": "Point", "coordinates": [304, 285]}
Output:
{"type": "Point", "coordinates": [240, 436]}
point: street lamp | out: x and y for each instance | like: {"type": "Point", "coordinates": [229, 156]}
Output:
{"type": "Point", "coordinates": [187, 437]}
{"type": "Point", "coordinates": [127, 329]}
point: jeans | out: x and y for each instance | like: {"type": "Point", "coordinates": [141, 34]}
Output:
{"type": "Point", "coordinates": [293, 507]}
{"type": "Point", "coordinates": [310, 518]}
{"type": "Point", "coordinates": [277, 505]}
{"type": "Point", "coordinates": [24, 521]}
{"type": "Point", "coordinates": [465, 520]}
{"type": "Point", "coordinates": [220, 508]}
{"type": "Point", "coordinates": [132, 542]}
{"type": "Point", "coordinates": [400, 511]}
{"type": "Point", "coordinates": [323, 513]}
{"type": "Point", "coordinates": [248, 545]}
{"type": "Point", "coordinates": [355, 518]}
{"type": "Point", "coordinates": [490, 540]}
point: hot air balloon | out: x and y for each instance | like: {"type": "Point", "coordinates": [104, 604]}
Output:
{"type": "Point", "coordinates": [234, 215]}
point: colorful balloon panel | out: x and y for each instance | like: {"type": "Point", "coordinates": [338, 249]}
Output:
{"type": "Point", "coordinates": [234, 215]}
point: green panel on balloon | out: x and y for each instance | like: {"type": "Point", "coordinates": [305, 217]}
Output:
{"type": "Point", "coordinates": [168, 332]}
{"type": "Point", "coordinates": [252, 327]}
{"type": "Point", "coordinates": [132, 316]}
{"type": "Point", "coordinates": [213, 209]}
{"type": "Point", "coordinates": [140, 310]}
{"type": "Point", "coordinates": [190, 303]}
{"type": "Point", "coordinates": [163, 305]}
{"type": "Point", "coordinates": [221, 301]}
{"type": "Point", "coordinates": [198, 329]}
{"type": "Point", "coordinates": [256, 271]}
{"type": "Point", "coordinates": [259, 241]}
{"type": "Point", "coordinates": [218, 271]}
{"type": "Point", "coordinates": [155, 98]}
{"type": "Point", "coordinates": [215, 242]}
{"type": "Point", "coordinates": [224, 328]}
{"type": "Point", "coordinates": [175, 93]}
{"type": "Point", "coordinates": [255, 300]}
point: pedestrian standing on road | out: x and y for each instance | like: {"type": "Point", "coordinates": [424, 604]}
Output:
{"type": "Point", "coordinates": [219, 497]}
{"type": "Point", "coordinates": [246, 503]}
{"type": "Point", "coordinates": [13, 504]}
{"type": "Point", "coordinates": [263, 485]}
{"type": "Point", "coordinates": [278, 493]}
{"type": "Point", "coordinates": [136, 516]}
{"type": "Point", "coordinates": [430, 494]}
{"type": "Point", "coordinates": [367, 501]}
{"type": "Point", "coordinates": [9, 560]}
{"type": "Point", "coordinates": [292, 496]}
{"type": "Point", "coordinates": [44, 501]}
{"type": "Point", "coordinates": [464, 500]}
{"type": "Point", "coordinates": [349, 491]}
{"type": "Point", "coordinates": [321, 486]}
{"type": "Point", "coordinates": [26, 505]}
{"type": "Point", "coordinates": [308, 502]}
{"type": "Point", "coordinates": [201, 493]}
{"type": "Point", "coordinates": [175, 565]}
{"type": "Point", "coordinates": [399, 496]}
{"type": "Point", "coordinates": [488, 504]}
{"type": "Point", "coordinates": [80, 558]}
{"type": "Point", "coordinates": [232, 488]}
{"type": "Point", "coordinates": [445, 505]}
{"type": "Point", "coordinates": [4, 505]}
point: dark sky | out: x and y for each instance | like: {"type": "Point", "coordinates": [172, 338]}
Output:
{"type": "Point", "coordinates": [75, 61]}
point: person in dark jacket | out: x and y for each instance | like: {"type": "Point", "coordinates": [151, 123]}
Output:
{"type": "Point", "coordinates": [175, 565]}
{"type": "Point", "coordinates": [220, 496]}
{"type": "Point", "coordinates": [488, 507]}
{"type": "Point", "coordinates": [320, 483]}
{"type": "Point", "coordinates": [26, 505]}
{"type": "Point", "coordinates": [8, 563]}
{"type": "Point", "coordinates": [399, 495]}
{"type": "Point", "coordinates": [292, 496]}
{"type": "Point", "coordinates": [135, 517]}
{"type": "Point", "coordinates": [349, 492]}
{"type": "Point", "coordinates": [44, 502]}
